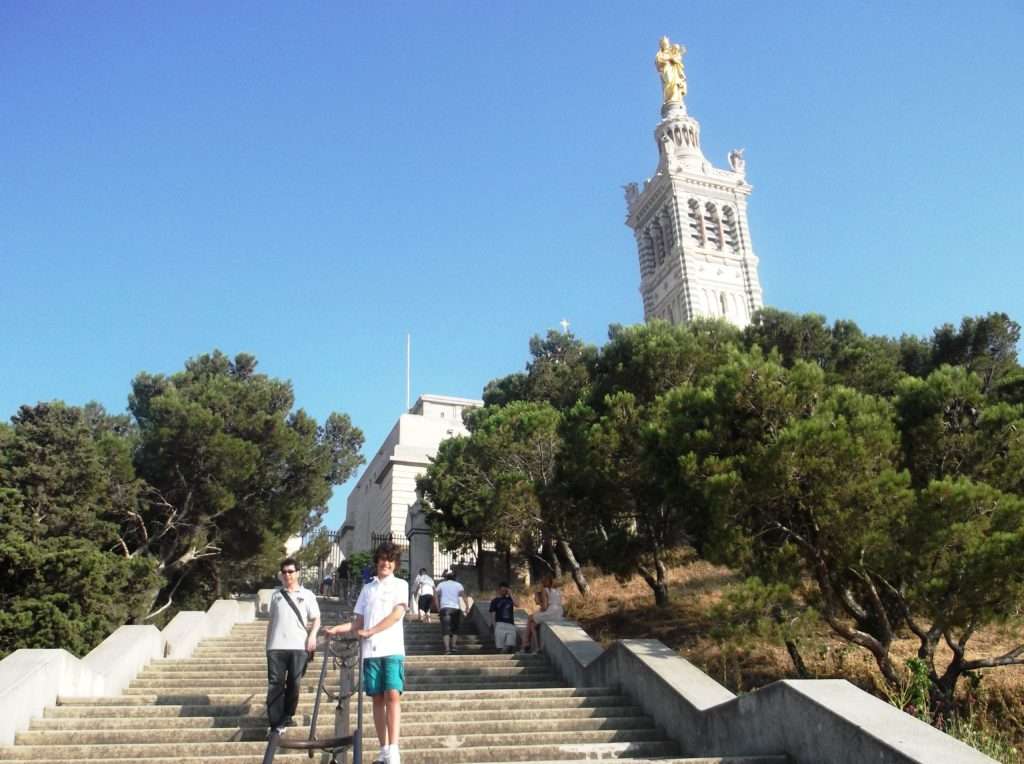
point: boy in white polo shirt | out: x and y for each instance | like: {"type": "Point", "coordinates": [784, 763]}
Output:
{"type": "Point", "coordinates": [379, 612]}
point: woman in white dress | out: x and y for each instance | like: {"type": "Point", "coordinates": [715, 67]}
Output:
{"type": "Point", "coordinates": [550, 600]}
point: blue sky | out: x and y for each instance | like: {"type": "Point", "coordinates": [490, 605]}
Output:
{"type": "Point", "coordinates": [310, 181]}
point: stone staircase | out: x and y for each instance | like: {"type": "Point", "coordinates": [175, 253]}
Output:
{"type": "Point", "coordinates": [472, 706]}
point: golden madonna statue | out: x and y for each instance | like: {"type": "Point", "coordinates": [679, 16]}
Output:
{"type": "Point", "coordinates": [669, 63]}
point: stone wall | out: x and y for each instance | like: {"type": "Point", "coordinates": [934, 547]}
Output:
{"type": "Point", "coordinates": [31, 680]}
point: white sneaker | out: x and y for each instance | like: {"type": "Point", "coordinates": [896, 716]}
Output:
{"type": "Point", "coordinates": [394, 757]}
{"type": "Point", "coordinates": [382, 757]}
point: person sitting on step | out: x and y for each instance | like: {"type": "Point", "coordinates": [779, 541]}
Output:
{"type": "Point", "coordinates": [550, 600]}
{"type": "Point", "coordinates": [503, 619]}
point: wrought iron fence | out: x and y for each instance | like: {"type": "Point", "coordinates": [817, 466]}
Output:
{"type": "Point", "coordinates": [439, 561]}
{"type": "Point", "coordinates": [323, 577]}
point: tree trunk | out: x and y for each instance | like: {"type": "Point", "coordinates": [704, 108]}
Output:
{"type": "Point", "coordinates": [798, 661]}
{"type": "Point", "coordinates": [480, 565]}
{"type": "Point", "coordinates": [658, 585]}
{"type": "Point", "coordinates": [574, 567]}
{"type": "Point", "coordinates": [548, 552]}
{"type": "Point", "coordinates": [943, 689]}
{"type": "Point", "coordinates": [799, 666]}
{"type": "Point", "coordinates": [878, 649]}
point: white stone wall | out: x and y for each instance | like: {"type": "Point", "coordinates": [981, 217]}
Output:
{"type": "Point", "coordinates": [380, 501]}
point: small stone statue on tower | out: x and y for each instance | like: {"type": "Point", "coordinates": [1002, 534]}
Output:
{"type": "Point", "coordinates": [737, 162]}
{"type": "Point", "coordinates": [669, 63]}
{"type": "Point", "coordinates": [632, 193]}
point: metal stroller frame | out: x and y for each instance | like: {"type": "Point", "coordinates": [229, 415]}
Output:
{"type": "Point", "coordinates": [345, 653]}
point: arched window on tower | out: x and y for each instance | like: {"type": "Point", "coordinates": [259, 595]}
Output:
{"type": "Point", "coordinates": [646, 254]}
{"type": "Point", "coordinates": [668, 230]}
{"type": "Point", "coordinates": [697, 222]}
{"type": "Point", "coordinates": [730, 229]}
{"type": "Point", "coordinates": [659, 242]}
{"type": "Point", "coordinates": [713, 225]}
{"type": "Point", "coordinates": [721, 299]}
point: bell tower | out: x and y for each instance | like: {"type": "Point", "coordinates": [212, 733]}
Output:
{"type": "Point", "coordinates": [690, 219]}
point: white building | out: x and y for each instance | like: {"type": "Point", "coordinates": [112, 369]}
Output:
{"type": "Point", "coordinates": [690, 224]}
{"type": "Point", "coordinates": [380, 501]}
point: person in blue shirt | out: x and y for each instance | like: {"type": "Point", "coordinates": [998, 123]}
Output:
{"type": "Point", "coordinates": [503, 619]}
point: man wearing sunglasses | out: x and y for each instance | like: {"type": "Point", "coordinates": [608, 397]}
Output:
{"type": "Point", "coordinates": [291, 639]}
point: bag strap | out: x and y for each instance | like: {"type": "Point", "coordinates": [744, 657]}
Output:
{"type": "Point", "coordinates": [295, 609]}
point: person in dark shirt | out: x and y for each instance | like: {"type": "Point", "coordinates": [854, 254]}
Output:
{"type": "Point", "coordinates": [503, 619]}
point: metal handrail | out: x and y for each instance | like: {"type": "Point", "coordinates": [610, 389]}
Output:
{"type": "Point", "coordinates": [333, 745]}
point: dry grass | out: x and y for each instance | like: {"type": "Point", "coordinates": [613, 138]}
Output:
{"type": "Point", "coordinates": [616, 610]}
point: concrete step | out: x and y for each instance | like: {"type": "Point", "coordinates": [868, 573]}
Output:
{"type": "Point", "coordinates": [436, 727]}
{"type": "Point", "coordinates": [280, 758]}
{"type": "Point", "coordinates": [243, 640]}
{"type": "Point", "coordinates": [412, 663]}
{"type": "Point", "coordinates": [232, 678]}
{"type": "Point", "coordinates": [673, 760]}
{"type": "Point", "coordinates": [257, 648]}
{"type": "Point", "coordinates": [185, 719]}
{"type": "Point", "coordinates": [470, 748]}
{"type": "Point", "coordinates": [239, 635]}
{"type": "Point", "coordinates": [541, 700]}
{"type": "Point", "coordinates": [476, 696]}
{"type": "Point", "coordinates": [300, 758]}
{"type": "Point", "coordinates": [410, 650]}
{"type": "Point", "coordinates": [151, 677]}
{"type": "Point", "coordinates": [430, 676]}
{"type": "Point", "coordinates": [259, 661]}
{"type": "Point", "coordinates": [183, 696]}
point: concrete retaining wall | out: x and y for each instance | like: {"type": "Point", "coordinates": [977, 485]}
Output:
{"type": "Point", "coordinates": [263, 601]}
{"type": "Point", "coordinates": [186, 630]}
{"type": "Point", "coordinates": [812, 721]}
{"type": "Point", "coordinates": [31, 680]}
{"type": "Point", "coordinates": [222, 615]}
{"type": "Point", "coordinates": [246, 609]}
{"type": "Point", "coordinates": [117, 660]}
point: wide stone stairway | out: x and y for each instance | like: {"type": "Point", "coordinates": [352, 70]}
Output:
{"type": "Point", "coordinates": [472, 706]}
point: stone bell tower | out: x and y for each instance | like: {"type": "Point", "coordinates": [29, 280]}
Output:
{"type": "Point", "coordinates": [690, 219]}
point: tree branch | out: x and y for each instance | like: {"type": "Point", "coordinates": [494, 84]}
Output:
{"type": "Point", "coordinates": [170, 600]}
{"type": "Point", "coordinates": [1011, 658]}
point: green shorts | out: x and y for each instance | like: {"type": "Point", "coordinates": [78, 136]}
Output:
{"type": "Point", "coordinates": [382, 674]}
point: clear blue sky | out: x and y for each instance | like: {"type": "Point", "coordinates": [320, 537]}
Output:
{"type": "Point", "coordinates": [309, 181]}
